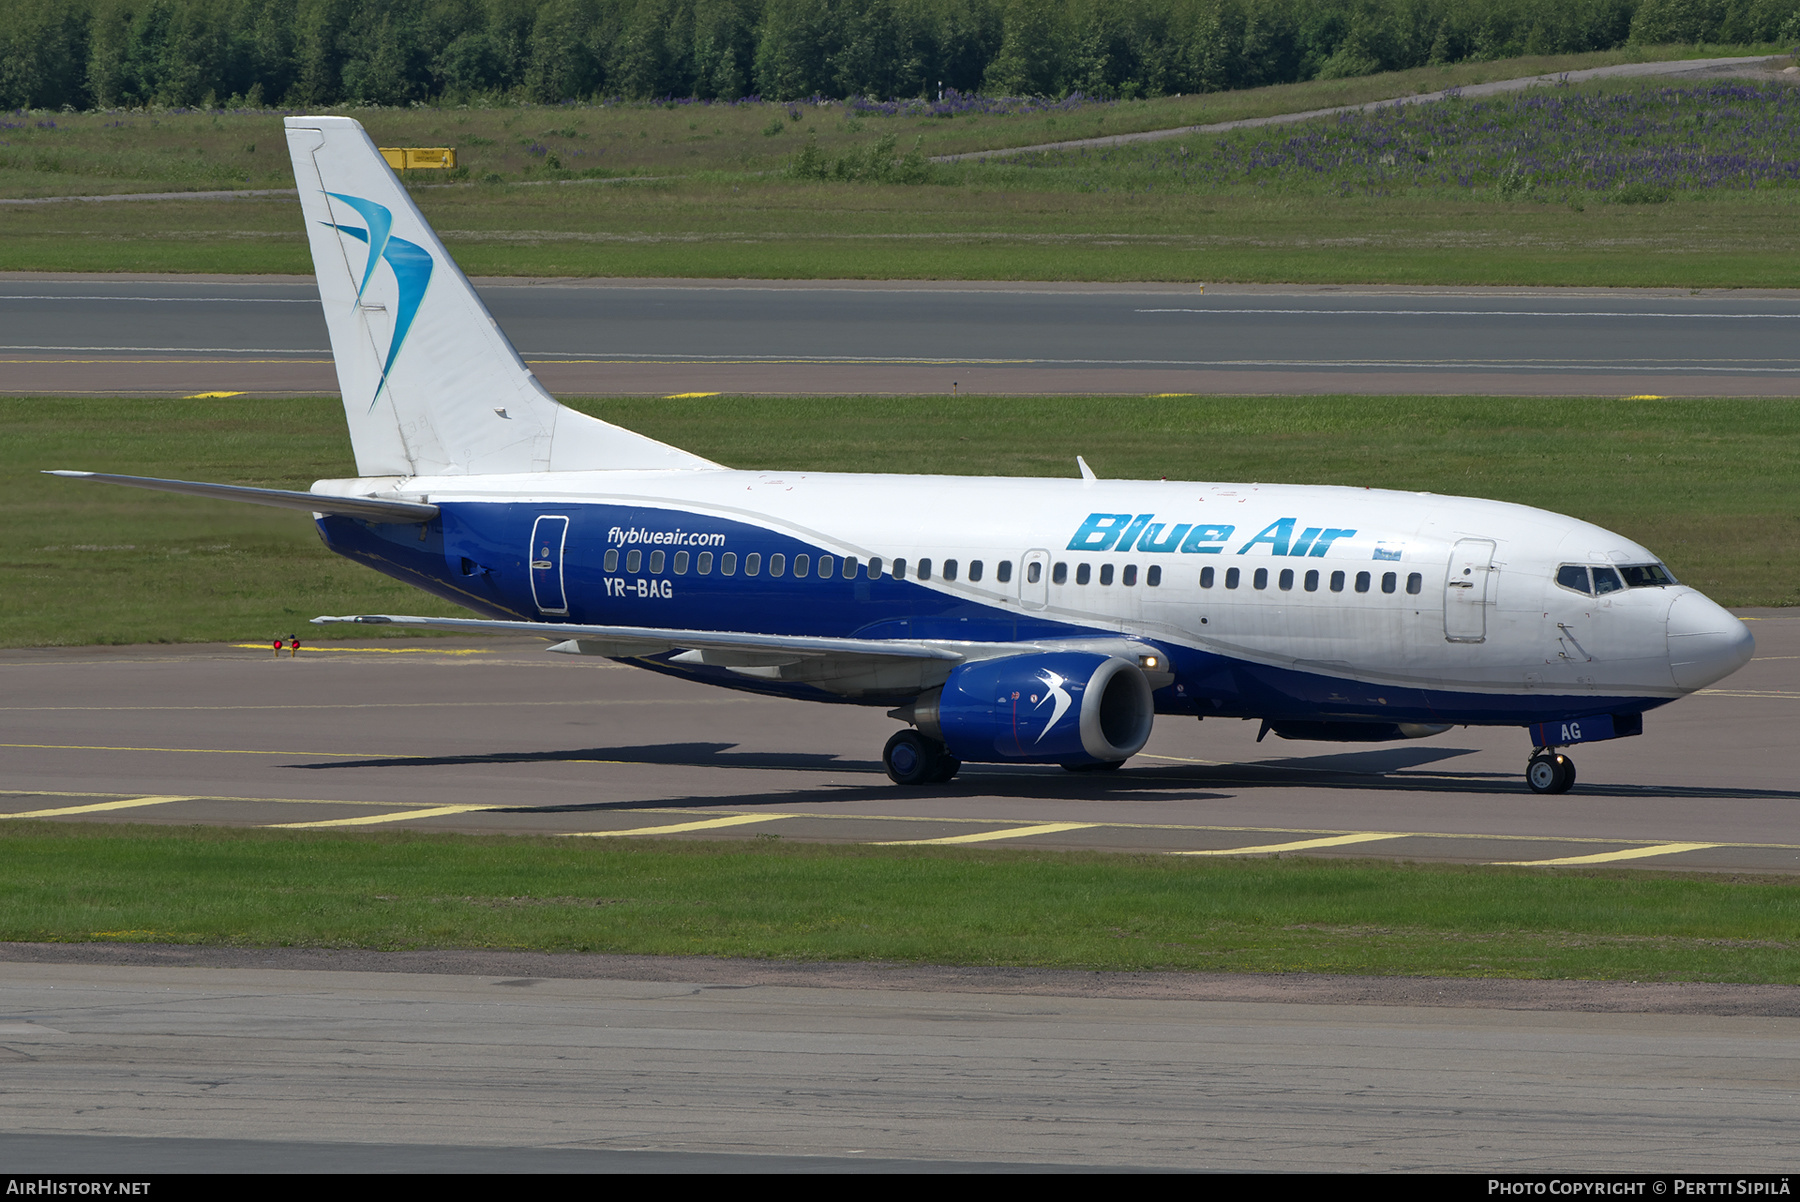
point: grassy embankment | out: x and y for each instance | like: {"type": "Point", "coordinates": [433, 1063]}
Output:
{"type": "Point", "coordinates": [1712, 486]}
{"type": "Point", "coordinates": [767, 898]}
{"type": "Point", "coordinates": [713, 203]}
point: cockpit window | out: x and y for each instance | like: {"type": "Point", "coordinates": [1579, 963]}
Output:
{"type": "Point", "coordinates": [1575, 576]}
{"type": "Point", "coordinates": [1606, 581]}
{"type": "Point", "coordinates": [1646, 575]}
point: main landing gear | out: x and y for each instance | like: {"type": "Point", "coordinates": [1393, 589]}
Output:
{"type": "Point", "coordinates": [1550, 771]}
{"type": "Point", "coordinates": [912, 759]}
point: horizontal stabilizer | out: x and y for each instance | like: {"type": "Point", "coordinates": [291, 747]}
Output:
{"type": "Point", "coordinates": [372, 508]}
{"type": "Point", "coordinates": [644, 640]}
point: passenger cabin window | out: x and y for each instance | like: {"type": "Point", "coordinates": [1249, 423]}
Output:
{"type": "Point", "coordinates": [875, 568]}
{"type": "Point", "coordinates": [826, 567]}
{"type": "Point", "coordinates": [1003, 571]}
{"type": "Point", "coordinates": [703, 567]}
{"type": "Point", "coordinates": [1312, 582]}
{"type": "Point", "coordinates": [1337, 582]}
{"type": "Point", "coordinates": [612, 560]}
{"type": "Point", "coordinates": [1414, 582]}
{"type": "Point", "coordinates": [1261, 579]}
{"type": "Point", "coordinates": [1232, 576]}
{"type": "Point", "coordinates": [633, 559]}
{"type": "Point", "coordinates": [1153, 576]}
{"type": "Point", "coordinates": [728, 564]}
{"type": "Point", "coordinates": [1129, 576]}
{"type": "Point", "coordinates": [777, 564]}
{"type": "Point", "coordinates": [924, 572]}
{"type": "Point", "coordinates": [802, 566]}
{"type": "Point", "coordinates": [753, 563]}
{"type": "Point", "coordinates": [1287, 579]}
{"type": "Point", "coordinates": [974, 571]}
{"type": "Point", "coordinates": [849, 567]}
{"type": "Point", "coordinates": [949, 569]}
{"type": "Point", "coordinates": [1083, 574]}
{"type": "Point", "coordinates": [1362, 582]}
{"type": "Point", "coordinates": [656, 562]}
{"type": "Point", "coordinates": [1389, 582]}
{"type": "Point", "coordinates": [899, 569]}
{"type": "Point", "coordinates": [1106, 573]}
{"type": "Point", "coordinates": [1206, 577]}
{"type": "Point", "coordinates": [681, 563]}
{"type": "Point", "coordinates": [1034, 573]}
{"type": "Point", "coordinates": [1059, 574]}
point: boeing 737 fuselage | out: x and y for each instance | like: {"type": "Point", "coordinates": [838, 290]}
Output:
{"type": "Point", "coordinates": [1003, 620]}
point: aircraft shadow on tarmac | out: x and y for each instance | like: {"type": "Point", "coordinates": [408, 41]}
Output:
{"type": "Point", "coordinates": [1392, 769]}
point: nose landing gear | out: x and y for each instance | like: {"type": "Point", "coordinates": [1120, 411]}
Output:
{"type": "Point", "coordinates": [1550, 771]}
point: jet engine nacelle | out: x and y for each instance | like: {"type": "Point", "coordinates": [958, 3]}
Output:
{"type": "Point", "coordinates": [1060, 707]}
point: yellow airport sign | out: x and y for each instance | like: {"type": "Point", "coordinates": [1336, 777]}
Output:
{"type": "Point", "coordinates": [415, 158]}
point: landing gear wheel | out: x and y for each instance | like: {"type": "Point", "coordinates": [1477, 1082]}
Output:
{"type": "Point", "coordinates": [948, 767]}
{"type": "Point", "coordinates": [1551, 772]}
{"type": "Point", "coordinates": [912, 759]}
{"type": "Point", "coordinates": [1097, 766]}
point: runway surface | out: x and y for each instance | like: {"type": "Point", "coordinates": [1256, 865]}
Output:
{"type": "Point", "coordinates": [500, 737]}
{"type": "Point", "coordinates": [169, 335]}
{"type": "Point", "coordinates": [114, 1066]}
{"type": "Point", "coordinates": [120, 1058]}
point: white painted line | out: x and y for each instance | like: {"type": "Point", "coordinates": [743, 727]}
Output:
{"type": "Point", "coordinates": [1605, 857]}
{"type": "Point", "coordinates": [377, 819]}
{"type": "Point", "coordinates": [1302, 845]}
{"type": "Point", "coordinates": [706, 824]}
{"type": "Point", "coordinates": [1011, 832]}
{"type": "Point", "coordinates": [97, 807]}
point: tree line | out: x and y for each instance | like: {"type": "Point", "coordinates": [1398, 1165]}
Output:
{"type": "Point", "coordinates": [88, 54]}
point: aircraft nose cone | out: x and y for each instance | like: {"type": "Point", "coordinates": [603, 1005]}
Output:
{"type": "Point", "coordinates": [1706, 643]}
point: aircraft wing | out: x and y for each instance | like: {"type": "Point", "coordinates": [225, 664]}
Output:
{"type": "Point", "coordinates": [850, 667]}
{"type": "Point", "coordinates": [625, 642]}
{"type": "Point", "coordinates": [373, 508]}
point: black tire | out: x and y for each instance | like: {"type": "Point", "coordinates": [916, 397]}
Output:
{"type": "Point", "coordinates": [948, 767]}
{"type": "Point", "coordinates": [1550, 773]}
{"type": "Point", "coordinates": [911, 759]}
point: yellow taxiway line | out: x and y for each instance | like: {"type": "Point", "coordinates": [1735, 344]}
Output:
{"type": "Point", "coordinates": [1605, 857]}
{"type": "Point", "coordinates": [376, 819]}
{"type": "Point", "coordinates": [678, 827]}
{"type": "Point", "coordinates": [1302, 845]}
{"type": "Point", "coordinates": [128, 804]}
{"type": "Point", "coordinates": [1011, 832]}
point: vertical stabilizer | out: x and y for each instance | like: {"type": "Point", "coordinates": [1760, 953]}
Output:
{"type": "Point", "coordinates": [431, 386]}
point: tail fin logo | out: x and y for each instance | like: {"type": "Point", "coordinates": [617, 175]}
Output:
{"type": "Point", "coordinates": [410, 263]}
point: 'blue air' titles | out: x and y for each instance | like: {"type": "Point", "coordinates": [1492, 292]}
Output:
{"type": "Point", "coordinates": [1124, 532]}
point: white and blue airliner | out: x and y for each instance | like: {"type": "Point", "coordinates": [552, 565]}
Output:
{"type": "Point", "coordinates": [1002, 621]}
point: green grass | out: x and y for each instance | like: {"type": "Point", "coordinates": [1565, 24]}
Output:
{"type": "Point", "coordinates": [773, 899]}
{"type": "Point", "coordinates": [1713, 486]}
{"type": "Point", "coordinates": [710, 202]}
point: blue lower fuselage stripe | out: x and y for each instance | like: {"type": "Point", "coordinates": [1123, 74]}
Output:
{"type": "Point", "coordinates": [479, 556]}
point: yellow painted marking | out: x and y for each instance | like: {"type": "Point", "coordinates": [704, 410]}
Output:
{"type": "Point", "coordinates": [1770, 694]}
{"type": "Point", "coordinates": [1302, 845]}
{"type": "Point", "coordinates": [376, 819]}
{"type": "Point", "coordinates": [95, 808]}
{"type": "Point", "coordinates": [345, 755]}
{"type": "Point", "coordinates": [264, 647]}
{"type": "Point", "coordinates": [690, 396]}
{"type": "Point", "coordinates": [1011, 832]}
{"type": "Point", "coordinates": [706, 824]}
{"type": "Point", "coordinates": [1647, 397]}
{"type": "Point", "coordinates": [1606, 857]}
{"type": "Point", "coordinates": [209, 396]}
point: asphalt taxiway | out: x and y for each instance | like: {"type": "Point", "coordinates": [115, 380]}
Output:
{"type": "Point", "coordinates": [499, 736]}
{"type": "Point", "coordinates": [183, 335]}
